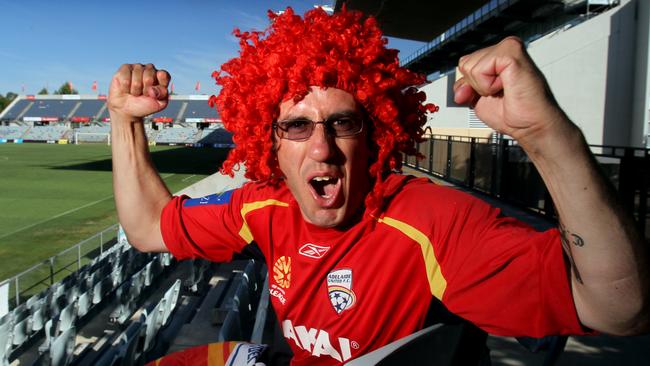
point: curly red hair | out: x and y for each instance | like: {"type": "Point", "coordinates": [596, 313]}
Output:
{"type": "Point", "coordinates": [344, 50]}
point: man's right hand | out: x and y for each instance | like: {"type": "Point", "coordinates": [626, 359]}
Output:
{"type": "Point", "coordinates": [137, 91]}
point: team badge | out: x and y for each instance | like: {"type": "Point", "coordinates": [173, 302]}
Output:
{"type": "Point", "coordinates": [282, 271]}
{"type": "Point", "coordinates": [313, 251]}
{"type": "Point", "coordinates": [339, 288]}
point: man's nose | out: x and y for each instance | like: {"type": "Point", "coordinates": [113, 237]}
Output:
{"type": "Point", "coordinates": [321, 143]}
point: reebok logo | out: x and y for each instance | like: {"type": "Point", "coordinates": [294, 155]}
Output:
{"type": "Point", "coordinates": [313, 251]}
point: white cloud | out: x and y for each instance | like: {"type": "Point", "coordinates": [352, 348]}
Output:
{"type": "Point", "coordinates": [246, 21]}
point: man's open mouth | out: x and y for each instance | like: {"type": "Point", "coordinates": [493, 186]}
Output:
{"type": "Point", "coordinates": [325, 189]}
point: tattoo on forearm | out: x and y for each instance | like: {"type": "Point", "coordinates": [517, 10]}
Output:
{"type": "Point", "coordinates": [576, 241]}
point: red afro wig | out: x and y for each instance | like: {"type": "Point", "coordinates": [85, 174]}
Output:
{"type": "Point", "coordinates": [345, 51]}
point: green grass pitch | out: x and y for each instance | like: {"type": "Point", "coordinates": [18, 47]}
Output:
{"type": "Point", "coordinates": [53, 196]}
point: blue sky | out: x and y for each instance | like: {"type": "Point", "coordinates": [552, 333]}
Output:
{"type": "Point", "coordinates": [46, 43]}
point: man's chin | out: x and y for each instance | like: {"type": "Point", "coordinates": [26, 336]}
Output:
{"type": "Point", "coordinates": [325, 217]}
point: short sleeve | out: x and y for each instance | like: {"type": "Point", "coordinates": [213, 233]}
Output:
{"type": "Point", "coordinates": [503, 275]}
{"type": "Point", "coordinates": [206, 227]}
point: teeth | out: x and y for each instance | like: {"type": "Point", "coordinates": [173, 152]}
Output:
{"type": "Point", "coordinates": [322, 179]}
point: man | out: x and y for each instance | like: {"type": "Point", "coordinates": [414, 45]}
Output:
{"type": "Point", "coordinates": [321, 113]}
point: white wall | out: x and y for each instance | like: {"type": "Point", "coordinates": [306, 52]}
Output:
{"type": "Point", "coordinates": [591, 71]}
{"type": "Point", "coordinates": [450, 114]}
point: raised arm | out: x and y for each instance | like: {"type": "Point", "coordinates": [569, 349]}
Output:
{"type": "Point", "coordinates": [140, 194]}
{"type": "Point", "coordinates": [608, 257]}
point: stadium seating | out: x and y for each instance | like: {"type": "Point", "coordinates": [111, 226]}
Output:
{"type": "Point", "coordinates": [62, 347]}
{"type": "Point", "coordinates": [153, 323]}
{"type": "Point", "coordinates": [103, 128]}
{"type": "Point", "coordinates": [47, 133]}
{"type": "Point", "coordinates": [141, 335]}
{"type": "Point", "coordinates": [88, 109]}
{"type": "Point", "coordinates": [67, 303]}
{"type": "Point", "coordinates": [215, 136]}
{"type": "Point", "coordinates": [184, 120]}
{"type": "Point", "coordinates": [177, 135]}
{"type": "Point", "coordinates": [17, 110]}
{"type": "Point", "coordinates": [101, 288]}
{"type": "Point", "coordinates": [171, 299]}
{"type": "Point", "coordinates": [151, 134]}
{"type": "Point", "coordinates": [5, 341]}
{"type": "Point", "coordinates": [51, 319]}
{"type": "Point", "coordinates": [171, 112]}
{"type": "Point", "coordinates": [12, 132]}
{"type": "Point", "coordinates": [51, 108]}
{"type": "Point", "coordinates": [261, 314]}
{"type": "Point", "coordinates": [38, 312]}
{"type": "Point", "coordinates": [199, 109]}
{"type": "Point", "coordinates": [104, 116]}
{"type": "Point", "coordinates": [83, 304]}
{"type": "Point", "coordinates": [126, 348]}
{"type": "Point", "coordinates": [21, 325]}
{"type": "Point", "coordinates": [240, 305]}
{"type": "Point", "coordinates": [198, 275]}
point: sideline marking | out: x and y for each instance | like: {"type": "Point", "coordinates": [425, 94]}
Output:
{"type": "Point", "coordinates": [188, 178]}
{"type": "Point", "coordinates": [67, 212]}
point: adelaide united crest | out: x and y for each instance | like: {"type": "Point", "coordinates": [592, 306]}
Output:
{"type": "Point", "coordinates": [339, 288]}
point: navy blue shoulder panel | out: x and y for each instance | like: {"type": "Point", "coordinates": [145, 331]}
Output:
{"type": "Point", "coordinates": [213, 199]}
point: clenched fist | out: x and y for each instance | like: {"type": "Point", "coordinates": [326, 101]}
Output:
{"type": "Point", "coordinates": [137, 91]}
{"type": "Point", "coordinates": [508, 91]}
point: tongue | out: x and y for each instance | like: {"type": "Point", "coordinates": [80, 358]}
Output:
{"type": "Point", "coordinates": [324, 188]}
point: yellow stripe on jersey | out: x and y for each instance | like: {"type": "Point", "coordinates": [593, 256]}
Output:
{"type": "Point", "coordinates": [215, 354]}
{"type": "Point", "coordinates": [245, 231]}
{"type": "Point", "coordinates": [437, 282]}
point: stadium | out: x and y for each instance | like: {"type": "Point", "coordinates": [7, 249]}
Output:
{"type": "Point", "coordinates": [83, 296]}
{"type": "Point", "coordinates": [78, 119]}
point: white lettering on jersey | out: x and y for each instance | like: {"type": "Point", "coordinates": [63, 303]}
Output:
{"type": "Point", "coordinates": [316, 341]}
{"type": "Point", "coordinates": [307, 337]}
{"type": "Point", "coordinates": [276, 291]}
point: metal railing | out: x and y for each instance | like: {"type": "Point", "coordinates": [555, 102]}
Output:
{"type": "Point", "coordinates": [500, 168]}
{"type": "Point", "coordinates": [45, 274]}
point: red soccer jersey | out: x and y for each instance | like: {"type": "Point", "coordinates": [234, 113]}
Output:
{"type": "Point", "coordinates": [343, 292]}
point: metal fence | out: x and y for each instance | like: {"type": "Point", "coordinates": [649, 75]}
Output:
{"type": "Point", "coordinates": [44, 274]}
{"type": "Point", "coordinates": [500, 168]}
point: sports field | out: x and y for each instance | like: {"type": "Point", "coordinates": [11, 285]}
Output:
{"type": "Point", "coordinates": [53, 196]}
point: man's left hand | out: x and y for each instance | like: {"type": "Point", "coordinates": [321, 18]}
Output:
{"type": "Point", "coordinates": [507, 91]}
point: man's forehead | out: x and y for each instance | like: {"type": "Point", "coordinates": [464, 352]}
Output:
{"type": "Point", "coordinates": [321, 102]}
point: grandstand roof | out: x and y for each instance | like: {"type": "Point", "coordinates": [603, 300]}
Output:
{"type": "Point", "coordinates": [413, 19]}
{"type": "Point", "coordinates": [460, 27]}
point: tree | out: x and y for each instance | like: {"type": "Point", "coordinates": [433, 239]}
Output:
{"type": "Point", "coordinates": [43, 92]}
{"type": "Point", "coordinates": [5, 100]}
{"type": "Point", "coordinates": [66, 88]}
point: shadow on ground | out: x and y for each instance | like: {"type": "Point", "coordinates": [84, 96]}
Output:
{"type": "Point", "coordinates": [596, 351]}
{"type": "Point", "coordinates": [182, 160]}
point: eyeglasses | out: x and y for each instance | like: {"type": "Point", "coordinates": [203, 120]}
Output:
{"type": "Point", "coordinates": [302, 129]}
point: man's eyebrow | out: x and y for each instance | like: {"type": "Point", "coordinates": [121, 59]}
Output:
{"type": "Point", "coordinates": [345, 113]}
{"type": "Point", "coordinates": [333, 116]}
